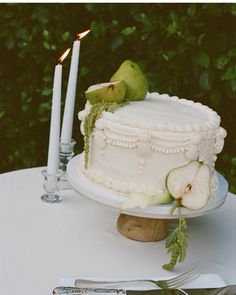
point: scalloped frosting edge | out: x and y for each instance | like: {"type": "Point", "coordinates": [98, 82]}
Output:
{"type": "Point", "coordinates": [214, 118]}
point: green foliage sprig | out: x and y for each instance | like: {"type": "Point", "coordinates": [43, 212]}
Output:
{"type": "Point", "coordinates": [90, 120]}
{"type": "Point", "coordinates": [176, 243]}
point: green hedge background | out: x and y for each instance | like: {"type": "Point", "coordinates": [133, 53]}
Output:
{"type": "Point", "coordinates": [188, 50]}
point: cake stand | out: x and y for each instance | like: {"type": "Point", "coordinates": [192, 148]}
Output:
{"type": "Point", "coordinates": [149, 224]}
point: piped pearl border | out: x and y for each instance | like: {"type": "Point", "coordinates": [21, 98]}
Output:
{"type": "Point", "coordinates": [213, 122]}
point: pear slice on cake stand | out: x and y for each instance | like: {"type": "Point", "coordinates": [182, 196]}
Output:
{"type": "Point", "coordinates": [189, 185]}
{"type": "Point", "coordinates": [141, 218]}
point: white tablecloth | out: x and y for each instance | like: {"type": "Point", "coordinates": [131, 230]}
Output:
{"type": "Point", "coordinates": [41, 243]}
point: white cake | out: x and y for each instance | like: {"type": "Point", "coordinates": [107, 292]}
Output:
{"type": "Point", "coordinates": [134, 148]}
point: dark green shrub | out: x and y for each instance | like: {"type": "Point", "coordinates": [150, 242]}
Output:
{"type": "Point", "coordinates": [188, 50]}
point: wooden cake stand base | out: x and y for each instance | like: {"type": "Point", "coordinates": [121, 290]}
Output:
{"type": "Point", "coordinates": [142, 228]}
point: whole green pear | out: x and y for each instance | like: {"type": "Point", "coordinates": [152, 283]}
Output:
{"type": "Point", "coordinates": [106, 92]}
{"type": "Point", "coordinates": [130, 73]}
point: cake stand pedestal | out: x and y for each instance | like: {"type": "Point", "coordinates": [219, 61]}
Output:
{"type": "Point", "coordinates": [149, 224]}
{"type": "Point", "coordinates": [142, 228]}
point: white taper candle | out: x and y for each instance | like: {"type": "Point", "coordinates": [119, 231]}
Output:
{"type": "Point", "coordinates": [67, 124]}
{"type": "Point", "coordinates": [53, 149]}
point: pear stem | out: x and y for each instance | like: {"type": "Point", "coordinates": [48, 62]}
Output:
{"type": "Point", "coordinates": [176, 204]}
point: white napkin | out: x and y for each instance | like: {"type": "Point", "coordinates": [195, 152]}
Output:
{"type": "Point", "coordinates": [204, 281]}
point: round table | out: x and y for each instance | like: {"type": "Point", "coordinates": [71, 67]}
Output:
{"type": "Point", "coordinates": [41, 243]}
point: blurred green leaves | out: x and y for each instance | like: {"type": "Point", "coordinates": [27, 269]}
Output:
{"type": "Point", "coordinates": [230, 73]}
{"type": "Point", "coordinates": [187, 49]}
{"type": "Point", "coordinates": [44, 111]}
{"type": "Point", "coordinates": [128, 31]}
{"type": "Point", "coordinates": [203, 59]}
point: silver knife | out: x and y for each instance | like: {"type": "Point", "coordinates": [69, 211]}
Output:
{"type": "Point", "coordinates": [99, 291]}
{"type": "Point", "coordinates": [90, 291]}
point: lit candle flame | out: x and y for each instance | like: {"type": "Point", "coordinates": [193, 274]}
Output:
{"type": "Point", "coordinates": [64, 55]}
{"type": "Point", "coordinates": [81, 35]}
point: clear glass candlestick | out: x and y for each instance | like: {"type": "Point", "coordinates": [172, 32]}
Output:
{"type": "Point", "coordinates": [65, 154]}
{"type": "Point", "coordinates": [51, 186]}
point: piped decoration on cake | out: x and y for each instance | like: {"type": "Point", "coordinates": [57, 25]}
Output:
{"type": "Point", "coordinates": [192, 152]}
{"type": "Point", "coordinates": [219, 142]}
{"type": "Point", "coordinates": [184, 128]}
{"type": "Point", "coordinates": [100, 141]}
{"type": "Point", "coordinates": [143, 145]}
{"type": "Point", "coordinates": [127, 83]}
{"type": "Point", "coordinates": [89, 123]}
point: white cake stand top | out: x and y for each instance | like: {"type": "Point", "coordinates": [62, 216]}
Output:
{"type": "Point", "coordinates": [81, 183]}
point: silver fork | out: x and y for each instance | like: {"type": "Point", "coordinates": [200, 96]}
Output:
{"type": "Point", "coordinates": [172, 283]}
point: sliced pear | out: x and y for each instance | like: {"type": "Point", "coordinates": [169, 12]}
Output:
{"type": "Point", "coordinates": [131, 74]}
{"type": "Point", "coordinates": [190, 184]}
{"type": "Point", "coordinates": [106, 92]}
{"type": "Point", "coordinates": [143, 200]}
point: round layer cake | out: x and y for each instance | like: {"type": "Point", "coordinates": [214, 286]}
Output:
{"type": "Point", "coordinates": [134, 148]}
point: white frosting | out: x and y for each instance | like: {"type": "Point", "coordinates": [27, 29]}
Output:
{"type": "Point", "coordinates": [134, 148]}
{"type": "Point", "coordinates": [162, 112]}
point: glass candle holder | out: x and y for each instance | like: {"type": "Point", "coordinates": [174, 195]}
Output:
{"type": "Point", "coordinates": [65, 154]}
{"type": "Point", "coordinates": [51, 187]}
